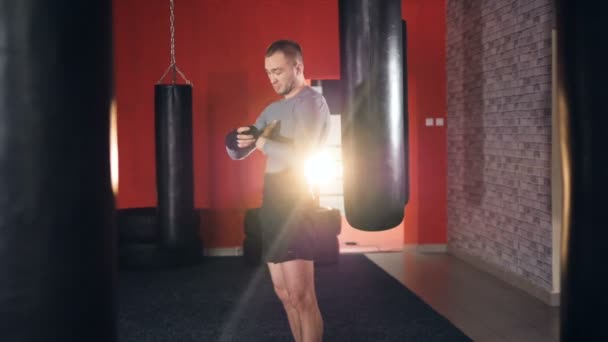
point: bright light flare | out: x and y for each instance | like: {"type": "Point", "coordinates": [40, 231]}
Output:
{"type": "Point", "coordinates": [114, 148]}
{"type": "Point", "coordinates": [321, 169]}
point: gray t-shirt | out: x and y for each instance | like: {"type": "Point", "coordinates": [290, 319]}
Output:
{"type": "Point", "coordinates": [303, 125]}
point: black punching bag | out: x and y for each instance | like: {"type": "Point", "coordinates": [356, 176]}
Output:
{"type": "Point", "coordinates": [373, 144]}
{"type": "Point", "coordinates": [406, 116]}
{"type": "Point", "coordinates": [582, 56]}
{"type": "Point", "coordinates": [57, 249]}
{"type": "Point", "coordinates": [177, 220]}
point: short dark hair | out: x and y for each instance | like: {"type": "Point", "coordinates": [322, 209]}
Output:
{"type": "Point", "coordinates": [289, 48]}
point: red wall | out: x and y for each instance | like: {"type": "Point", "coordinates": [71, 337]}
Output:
{"type": "Point", "coordinates": [426, 213]}
{"type": "Point", "coordinates": [220, 46]}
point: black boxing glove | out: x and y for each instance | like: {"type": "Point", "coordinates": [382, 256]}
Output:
{"type": "Point", "coordinates": [232, 142]}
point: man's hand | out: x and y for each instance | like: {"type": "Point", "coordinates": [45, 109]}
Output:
{"type": "Point", "coordinates": [259, 144]}
{"type": "Point", "coordinates": [244, 140]}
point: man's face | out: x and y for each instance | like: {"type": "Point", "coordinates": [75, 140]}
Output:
{"type": "Point", "coordinates": [282, 72]}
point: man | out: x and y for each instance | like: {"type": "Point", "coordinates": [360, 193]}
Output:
{"type": "Point", "coordinates": [288, 132]}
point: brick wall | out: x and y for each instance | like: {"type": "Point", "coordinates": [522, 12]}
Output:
{"type": "Point", "coordinates": [499, 133]}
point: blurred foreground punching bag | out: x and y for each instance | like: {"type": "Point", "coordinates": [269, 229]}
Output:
{"type": "Point", "coordinates": [371, 56]}
{"type": "Point", "coordinates": [406, 115]}
{"type": "Point", "coordinates": [583, 116]}
{"type": "Point", "coordinates": [57, 253]}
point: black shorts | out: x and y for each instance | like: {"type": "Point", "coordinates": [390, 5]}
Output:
{"type": "Point", "coordinates": [287, 232]}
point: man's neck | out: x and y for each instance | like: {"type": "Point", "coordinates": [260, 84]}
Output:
{"type": "Point", "coordinates": [296, 90]}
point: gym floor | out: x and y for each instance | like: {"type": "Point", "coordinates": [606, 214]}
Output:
{"type": "Point", "coordinates": [481, 305]}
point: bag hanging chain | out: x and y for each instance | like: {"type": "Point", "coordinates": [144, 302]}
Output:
{"type": "Point", "coordinates": [173, 66]}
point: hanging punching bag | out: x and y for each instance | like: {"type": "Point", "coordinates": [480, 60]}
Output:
{"type": "Point", "coordinates": [57, 250]}
{"type": "Point", "coordinates": [168, 236]}
{"type": "Point", "coordinates": [371, 58]}
{"type": "Point", "coordinates": [582, 74]}
{"type": "Point", "coordinates": [177, 220]}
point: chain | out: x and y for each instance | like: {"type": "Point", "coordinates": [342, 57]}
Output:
{"type": "Point", "coordinates": [172, 30]}
{"type": "Point", "coordinates": [173, 66]}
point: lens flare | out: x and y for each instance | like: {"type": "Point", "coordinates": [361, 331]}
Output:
{"type": "Point", "coordinates": [321, 169]}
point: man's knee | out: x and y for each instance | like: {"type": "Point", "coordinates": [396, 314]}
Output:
{"type": "Point", "coordinates": [303, 300]}
{"type": "Point", "coordinates": [283, 295]}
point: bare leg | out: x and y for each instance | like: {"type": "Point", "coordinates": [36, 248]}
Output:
{"type": "Point", "coordinates": [280, 288]}
{"type": "Point", "coordinates": [300, 283]}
